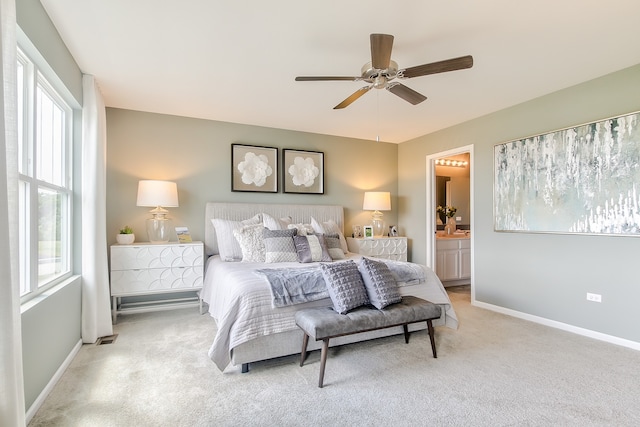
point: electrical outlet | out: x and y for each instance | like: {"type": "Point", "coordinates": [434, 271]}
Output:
{"type": "Point", "coordinates": [458, 218]}
{"type": "Point", "coordinates": [594, 297]}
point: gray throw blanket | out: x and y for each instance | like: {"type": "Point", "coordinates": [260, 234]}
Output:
{"type": "Point", "coordinates": [406, 273]}
{"type": "Point", "coordinates": [291, 286]}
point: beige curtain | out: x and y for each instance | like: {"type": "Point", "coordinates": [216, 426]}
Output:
{"type": "Point", "coordinates": [12, 410]}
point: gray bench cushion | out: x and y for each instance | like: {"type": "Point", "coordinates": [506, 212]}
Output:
{"type": "Point", "coordinates": [323, 322]}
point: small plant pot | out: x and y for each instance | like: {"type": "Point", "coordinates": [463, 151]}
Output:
{"type": "Point", "coordinates": [125, 239]}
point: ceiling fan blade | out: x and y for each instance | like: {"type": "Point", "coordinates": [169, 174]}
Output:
{"type": "Point", "coordinates": [406, 93]}
{"type": "Point", "coordinates": [355, 95]}
{"type": "Point", "coordinates": [437, 67]}
{"type": "Point", "coordinates": [326, 78]}
{"type": "Point", "coordinates": [381, 45]}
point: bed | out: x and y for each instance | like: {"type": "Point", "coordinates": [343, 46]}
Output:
{"type": "Point", "coordinates": [250, 327]}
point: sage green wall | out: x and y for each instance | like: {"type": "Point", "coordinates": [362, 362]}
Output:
{"type": "Point", "coordinates": [51, 329]}
{"type": "Point", "coordinates": [34, 21]}
{"type": "Point", "coordinates": [51, 326]}
{"type": "Point", "coordinates": [543, 275]}
{"type": "Point", "coordinates": [196, 154]}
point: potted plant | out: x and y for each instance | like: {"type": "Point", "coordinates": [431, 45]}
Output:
{"type": "Point", "coordinates": [449, 212]}
{"type": "Point", "coordinates": [126, 236]}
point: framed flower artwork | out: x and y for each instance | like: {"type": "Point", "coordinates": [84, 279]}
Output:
{"type": "Point", "coordinates": [254, 168]}
{"type": "Point", "coordinates": [303, 171]}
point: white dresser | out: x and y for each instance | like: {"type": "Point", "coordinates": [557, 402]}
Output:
{"type": "Point", "coordinates": [394, 248]}
{"type": "Point", "coordinates": [150, 269]}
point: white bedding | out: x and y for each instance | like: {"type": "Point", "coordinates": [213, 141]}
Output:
{"type": "Point", "coordinates": [240, 301]}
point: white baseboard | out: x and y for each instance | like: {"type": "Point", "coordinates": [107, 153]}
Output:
{"type": "Point", "coordinates": [56, 377]}
{"type": "Point", "coordinates": [559, 325]}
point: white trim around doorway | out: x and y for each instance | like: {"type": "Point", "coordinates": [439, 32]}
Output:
{"type": "Point", "coordinates": [431, 207]}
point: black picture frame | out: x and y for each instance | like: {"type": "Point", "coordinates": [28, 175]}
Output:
{"type": "Point", "coordinates": [302, 171]}
{"type": "Point", "coordinates": [254, 168]}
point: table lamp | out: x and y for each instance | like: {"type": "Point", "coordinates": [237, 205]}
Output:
{"type": "Point", "coordinates": [377, 201]}
{"type": "Point", "coordinates": [158, 194]}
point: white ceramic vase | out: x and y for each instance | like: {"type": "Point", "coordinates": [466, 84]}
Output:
{"type": "Point", "coordinates": [125, 239]}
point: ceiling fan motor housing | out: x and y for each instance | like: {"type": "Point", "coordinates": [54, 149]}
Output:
{"type": "Point", "coordinates": [378, 77]}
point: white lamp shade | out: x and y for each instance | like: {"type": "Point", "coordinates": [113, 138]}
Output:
{"type": "Point", "coordinates": [157, 193]}
{"type": "Point", "coordinates": [377, 201]}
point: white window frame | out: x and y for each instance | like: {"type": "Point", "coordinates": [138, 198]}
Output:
{"type": "Point", "coordinates": [36, 74]}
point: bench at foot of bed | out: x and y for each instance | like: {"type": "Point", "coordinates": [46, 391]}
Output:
{"type": "Point", "coordinates": [323, 323]}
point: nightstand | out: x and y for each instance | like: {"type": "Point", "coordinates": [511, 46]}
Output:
{"type": "Point", "coordinates": [152, 269]}
{"type": "Point", "coordinates": [394, 248]}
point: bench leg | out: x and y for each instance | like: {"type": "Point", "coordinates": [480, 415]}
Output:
{"type": "Point", "coordinates": [432, 338]}
{"type": "Point", "coordinates": [406, 333]}
{"type": "Point", "coordinates": [323, 360]}
{"type": "Point", "coordinates": [303, 353]}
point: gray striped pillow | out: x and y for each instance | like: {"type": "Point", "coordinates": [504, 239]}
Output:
{"type": "Point", "coordinates": [311, 248]}
{"type": "Point", "coordinates": [279, 246]}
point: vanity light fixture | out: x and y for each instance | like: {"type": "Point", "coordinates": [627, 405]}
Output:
{"type": "Point", "coordinates": [454, 163]}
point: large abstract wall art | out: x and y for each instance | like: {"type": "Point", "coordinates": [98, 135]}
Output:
{"type": "Point", "coordinates": [584, 179]}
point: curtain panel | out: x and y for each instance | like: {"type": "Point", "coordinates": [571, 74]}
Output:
{"type": "Point", "coordinates": [96, 308]}
{"type": "Point", "coordinates": [12, 405]}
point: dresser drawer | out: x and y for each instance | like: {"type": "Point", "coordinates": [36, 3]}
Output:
{"type": "Point", "coordinates": [146, 281]}
{"type": "Point", "coordinates": [394, 248]}
{"type": "Point", "coordinates": [155, 256]}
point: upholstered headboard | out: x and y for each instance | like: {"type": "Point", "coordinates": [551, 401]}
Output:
{"type": "Point", "coordinates": [241, 211]}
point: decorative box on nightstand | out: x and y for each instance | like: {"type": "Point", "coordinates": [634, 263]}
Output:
{"type": "Point", "coordinates": [394, 248]}
{"type": "Point", "coordinates": [151, 269]}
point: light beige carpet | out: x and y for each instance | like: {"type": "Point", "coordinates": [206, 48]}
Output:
{"type": "Point", "coordinates": [494, 370]}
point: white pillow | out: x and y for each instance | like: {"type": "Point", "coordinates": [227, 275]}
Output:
{"type": "Point", "coordinates": [251, 242]}
{"type": "Point", "coordinates": [274, 223]}
{"type": "Point", "coordinates": [228, 246]}
{"type": "Point", "coordinates": [330, 227]}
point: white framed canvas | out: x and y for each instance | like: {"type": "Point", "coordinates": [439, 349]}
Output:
{"type": "Point", "coordinates": [254, 168]}
{"type": "Point", "coordinates": [302, 171]}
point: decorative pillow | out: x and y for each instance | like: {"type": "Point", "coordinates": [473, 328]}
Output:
{"type": "Point", "coordinates": [333, 246]}
{"type": "Point", "coordinates": [279, 246]}
{"type": "Point", "coordinates": [345, 285]}
{"type": "Point", "coordinates": [330, 227]}
{"type": "Point", "coordinates": [311, 248]}
{"type": "Point", "coordinates": [251, 242]}
{"type": "Point", "coordinates": [228, 247]}
{"type": "Point", "coordinates": [382, 288]}
{"type": "Point", "coordinates": [302, 229]}
{"type": "Point", "coordinates": [274, 223]}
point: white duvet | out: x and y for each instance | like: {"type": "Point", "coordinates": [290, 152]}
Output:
{"type": "Point", "coordinates": [240, 301]}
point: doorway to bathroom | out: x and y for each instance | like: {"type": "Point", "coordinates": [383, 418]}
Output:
{"type": "Point", "coordinates": [449, 227]}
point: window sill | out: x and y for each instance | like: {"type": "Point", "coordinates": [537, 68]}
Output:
{"type": "Point", "coordinates": [32, 302]}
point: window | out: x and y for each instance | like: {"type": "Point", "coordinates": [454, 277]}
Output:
{"type": "Point", "coordinates": [45, 123]}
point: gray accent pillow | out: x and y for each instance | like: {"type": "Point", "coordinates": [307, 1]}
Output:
{"type": "Point", "coordinates": [382, 288]}
{"type": "Point", "coordinates": [334, 247]}
{"type": "Point", "coordinates": [345, 285]}
{"type": "Point", "coordinates": [311, 248]}
{"type": "Point", "coordinates": [251, 242]}
{"type": "Point", "coordinates": [279, 246]}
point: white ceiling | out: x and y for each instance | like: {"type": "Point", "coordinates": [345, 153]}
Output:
{"type": "Point", "coordinates": [235, 61]}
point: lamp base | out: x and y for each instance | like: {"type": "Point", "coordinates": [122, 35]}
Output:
{"type": "Point", "coordinates": [159, 229]}
{"type": "Point", "coordinates": [378, 224]}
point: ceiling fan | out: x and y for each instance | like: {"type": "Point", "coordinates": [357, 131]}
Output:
{"type": "Point", "coordinates": [382, 70]}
